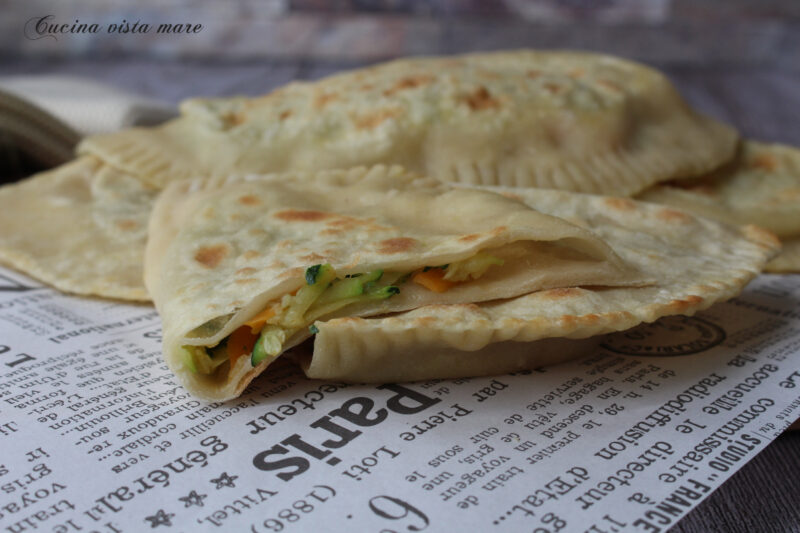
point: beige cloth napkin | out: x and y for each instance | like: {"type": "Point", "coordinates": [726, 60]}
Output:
{"type": "Point", "coordinates": [43, 117]}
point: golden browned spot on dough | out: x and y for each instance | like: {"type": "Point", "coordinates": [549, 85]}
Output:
{"type": "Point", "coordinates": [762, 236]}
{"type": "Point", "coordinates": [234, 119]}
{"type": "Point", "coordinates": [211, 256]}
{"type": "Point", "coordinates": [621, 204]}
{"type": "Point", "coordinates": [469, 238]}
{"type": "Point", "coordinates": [372, 120]}
{"type": "Point", "coordinates": [127, 224]}
{"type": "Point", "coordinates": [341, 222]}
{"type": "Point", "coordinates": [673, 215]}
{"type": "Point", "coordinates": [246, 281]}
{"type": "Point", "coordinates": [396, 245]}
{"type": "Point", "coordinates": [614, 316]}
{"type": "Point", "coordinates": [481, 99]}
{"type": "Point", "coordinates": [499, 229]}
{"type": "Point", "coordinates": [344, 222]}
{"type": "Point", "coordinates": [284, 115]}
{"type": "Point", "coordinates": [569, 320]}
{"type": "Point", "coordinates": [296, 215]}
{"type": "Point", "coordinates": [246, 271]}
{"type": "Point", "coordinates": [591, 318]}
{"type": "Point", "coordinates": [424, 321]}
{"type": "Point", "coordinates": [321, 100]}
{"type": "Point", "coordinates": [313, 256]}
{"type": "Point", "coordinates": [469, 308]}
{"type": "Point", "coordinates": [556, 134]}
{"type": "Point", "coordinates": [553, 88]}
{"type": "Point", "coordinates": [686, 303]}
{"type": "Point", "coordinates": [409, 82]}
{"type": "Point", "coordinates": [251, 254]}
{"type": "Point", "coordinates": [249, 199]}
{"type": "Point", "coordinates": [291, 273]}
{"type": "Point", "coordinates": [764, 162]}
{"type": "Point", "coordinates": [609, 85]}
{"type": "Point", "coordinates": [562, 292]}
{"type": "Point", "coordinates": [512, 196]}
{"type": "Point", "coordinates": [533, 74]}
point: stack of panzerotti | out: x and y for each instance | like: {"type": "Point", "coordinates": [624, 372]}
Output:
{"type": "Point", "coordinates": [761, 185]}
{"type": "Point", "coordinates": [327, 210]}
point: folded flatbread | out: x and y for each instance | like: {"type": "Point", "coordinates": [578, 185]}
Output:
{"type": "Point", "coordinates": [80, 227]}
{"type": "Point", "coordinates": [760, 186]}
{"type": "Point", "coordinates": [564, 120]}
{"type": "Point", "coordinates": [240, 269]}
{"type": "Point", "coordinates": [696, 261]}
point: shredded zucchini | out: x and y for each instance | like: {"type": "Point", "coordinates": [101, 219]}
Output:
{"type": "Point", "coordinates": [323, 294]}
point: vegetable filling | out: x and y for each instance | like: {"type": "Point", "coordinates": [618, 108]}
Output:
{"type": "Point", "coordinates": [263, 336]}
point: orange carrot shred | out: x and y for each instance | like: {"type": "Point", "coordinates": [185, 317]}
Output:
{"type": "Point", "coordinates": [241, 343]}
{"type": "Point", "coordinates": [433, 280]}
{"type": "Point", "coordinates": [258, 321]}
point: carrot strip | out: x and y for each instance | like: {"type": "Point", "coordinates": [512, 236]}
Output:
{"type": "Point", "coordinates": [433, 280]}
{"type": "Point", "coordinates": [258, 321]}
{"type": "Point", "coordinates": [241, 343]}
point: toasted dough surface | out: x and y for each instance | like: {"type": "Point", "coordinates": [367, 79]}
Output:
{"type": "Point", "coordinates": [567, 120]}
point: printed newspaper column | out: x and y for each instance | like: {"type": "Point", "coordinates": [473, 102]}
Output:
{"type": "Point", "coordinates": [97, 435]}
